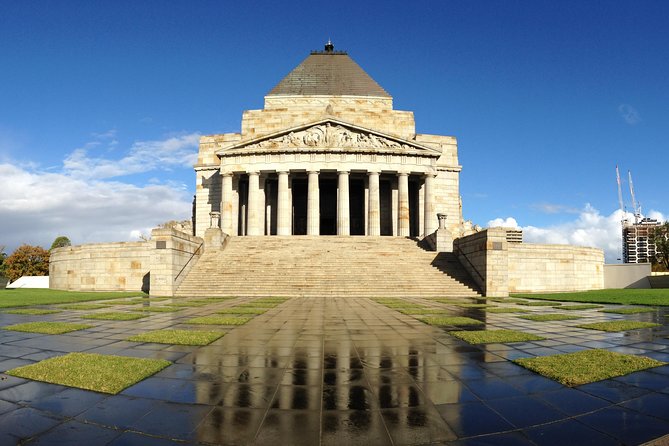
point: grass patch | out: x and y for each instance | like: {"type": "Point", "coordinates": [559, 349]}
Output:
{"type": "Point", "coordinates": [254, 304]}
{"type": "Point", "coordinates": [580, 307]}
{"type": "Point", "coordinates": [236, 310]}
{"type": "Point", "coordinates": [657, 296]}
{"type": "Point", "coordinates": [495, 336]}
{"type": "Point", "coordinates": [636, 310]}
{"type": "Point", "coordinates": [82, 307]}
{"type": "Point", "coordinates": [47, 327]}
{"type": "Point", "coordinates": [404, 305]}
{"type": "Point", "coordinates": [540, 304]}
{"type": "Point", "coordinates": [188, 304]}
{"type": "Point", "coordinates": [419, 311]}
{"type": "Point", "coordinates": [506, 310]}
{"type": "Point", "coordinates": [112, 316]}
{"type": "Point", "coordinates": [473, 305]}
{"type": "Point", "coordinates": [575, 369]}
{"type": "Point", "coordinates": [179, 337]}
{"type": "Point", "coordinates": [273, 299]}
{"type": "Point", "coordinates": [158, 309]}
{"type": "Point", "coordinates": [24, 297]}
{"type": "Point", "coordinates": [618, 325]}
{"type": "Point", "coordinates": [212, 300]}
{"type": "Point", "coordinates": [449, 320]}
{"type": "Point", "coordinates": [219, 320]}
{"type": "Point", "coordinates": [33, 311]}
{"type": "Point", "coordinates": [100, 373]}
{"type": "Point", "coordinates": [548, 317]}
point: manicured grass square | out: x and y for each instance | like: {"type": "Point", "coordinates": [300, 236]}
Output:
{"type": "Point", "coordinates": [548, 317]}
{"type": "Point", "coordinates": [100, 373]}
{"type": "Point", "coordinates": [419, 311]}
{"type": "Point", "coordinates": [633, 310]}
{"type": "Point", "coordinates": [495, 336]}
{"type": "Point", "coordinates": [82, 307]}
{"type": "Point", "coordinates": [506, 310]}
{"type": "Point", "coordinates": [219, 320]}
{"type": "Point", "coordinates": [618, 325]}
{"type": "Point", "coordinates": [157, 309]}
{"type": "Point", "coordinates": [540, 303]}
{"type": "Point", "coordinates": [47, 327]}
{"type": "Point", "coordinates": [237, 310]}
{"type": "Point", "coordinates": [112, 316]}
{"type": "Point", "coordinates": [575, 369]}
{"type": "Point", "coordinates": [31, 311]}
{"type": "Point", "coordinates": [188, 304]}
{"type": "Point", "coordinates": [580, 307]}
{"type": "Point", "coordinates": [180, 337]}
{"type": "Point", "coordinates": [211, 300]}
{"type": "Point", "coordinates": [449, 320]}
{"type": "Point", "coordinates": [473, 305]}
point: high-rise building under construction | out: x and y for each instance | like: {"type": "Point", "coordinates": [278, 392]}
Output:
{"type": "Point", "coordinates": [638, 245]}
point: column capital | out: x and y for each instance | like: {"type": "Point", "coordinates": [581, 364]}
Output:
{"type": "Point", "coordinates": [402, 174]}
{"type": "Point", "coordinates": [341, 171]}
{"type": "Point", "coordinates": [373, 172]}
{"type": "Point", "coordinates": [430, 174]}
{"type": "Point", "coordinates": [227, 174]}
{"type": "Point", "coordinates": [283, 171]}
{"type": "Point", "coordinates": [318, 171]}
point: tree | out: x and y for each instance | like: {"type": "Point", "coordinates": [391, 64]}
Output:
{"type": "Point", "coordinates": [3, 256]}
{"type": "Point", "coordinates": [661, 240]}
{"type": "Point", "coordinates": [27, 260]}
{"type": "Point", "coordinates": [60, 242]}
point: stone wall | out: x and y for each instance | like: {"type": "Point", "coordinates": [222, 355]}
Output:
{"type": "Point", "coordinates": [173, 253]}
{"type": "Point", "coordinates": [535, 268]}
{"type": "Point", "coordinates": [627, 275]}
{"type": "Point", "coordinates": [121, 266]}
{"type": "Point", "coordinates": [149, 266]}
{"type": "Point", "coordinates": [500, 267]}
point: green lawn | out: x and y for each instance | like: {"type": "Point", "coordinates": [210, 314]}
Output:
{"type": "Point", "coordinates": [494, 336]}
{"type": "Point", "coordinates": [100, 373]}
{"type": "Point", "coordinates": [549, 317]}
{"type": "Point", "coordinates": [575, 369]}
{"type": "Point", "coordinates": [219, 320]}
{"type": "Point", "coordinates": [113, 316]}
{"type": "Point", "coordinates": [23, 297]}
{"type": "Point", "coordinates": [614, 326]}
{"type": "Point", "coordinates": [658, 296]}
{"type": "Point", "coordinates": [630, 310]}
{"type": "Point", "coordinates": [179, 337]}
{"type": "Point", "coordinates": [449, 320]}
{"type": "Point", "coordinates": [31, 311]}
{"type": "Point", "coordinates": [47, 327]}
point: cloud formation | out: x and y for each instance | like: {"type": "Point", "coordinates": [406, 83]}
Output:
{"type": "Point", "coordinates": [629, 114]}
{"type": "Point", "coordinates": [143, 156]}
{"type": "Point", "coordinates": [590, 228]}
{"type": "Point", "coordinates": [83, 203]}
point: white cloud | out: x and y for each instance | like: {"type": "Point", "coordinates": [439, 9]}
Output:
{"type": "Point", "coordinates": [143, 156]}
{"type": "Point", "coordinates": [81, 202]}
{"type": "Point", "coordinates": [629, 114]}
{"type": "Point", "coordinates": [590, 228]}
{"type": "Point", "coordinates": [508, 222]}
{"type": "Point", "coordinates": [553, 208]}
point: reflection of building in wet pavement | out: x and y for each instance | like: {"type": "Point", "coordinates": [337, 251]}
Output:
{"type": "Point", "coordinates": [336, 365]}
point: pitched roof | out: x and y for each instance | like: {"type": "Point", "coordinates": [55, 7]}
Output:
{"type": "Point", "coordinates": [328, 73]}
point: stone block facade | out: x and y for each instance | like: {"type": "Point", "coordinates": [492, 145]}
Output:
{"type": "Point", "coordinates": [501, 267]}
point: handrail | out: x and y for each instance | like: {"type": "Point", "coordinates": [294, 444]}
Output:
{"type": "Point", "coordinates": [459, 251]}
{"type": "Point", "coordinates": [186, 264]}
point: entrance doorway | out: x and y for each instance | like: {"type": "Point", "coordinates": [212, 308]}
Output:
{"type": "Point", "coordinates": [328, 205]}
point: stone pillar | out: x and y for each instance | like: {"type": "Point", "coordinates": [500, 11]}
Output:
{"type": "Point", "coordinates": [313, 205]}
{"type": "Point", "coordinates": [374, 208]}
{"type": "Point", "coordinates": [226, 203]}
{"type": "Point", "coordinates": [343, 211]}
{"type": "Point", "coordinates": [429, 216]}
{"type": "Point", "coordinates": [403, 217]}
{"type": "Point", "coordinates": [253, 219]}
{"type": "Point", "coordinates": [283, 206]}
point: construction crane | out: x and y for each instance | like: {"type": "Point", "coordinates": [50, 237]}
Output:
{"type": "Point", "coordinates": [637, 210]}
{"type": "Point", "coordinates": [620, 196]}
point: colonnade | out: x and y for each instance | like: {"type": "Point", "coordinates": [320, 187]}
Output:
{"type": "Point", "coordinates": [255, 203]}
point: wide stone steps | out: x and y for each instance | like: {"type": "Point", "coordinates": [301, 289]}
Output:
{"type": "Point", "coordinates": [326, 266]}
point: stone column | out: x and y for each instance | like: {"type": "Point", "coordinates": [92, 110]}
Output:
{"type": "Point", "coordinates": [313, 205]}
{"type": "Point", "coordinates": [283, 206]}
{"type": "Point", "coordinates": [403, 217]}
{"type": "Point", "coordinates": [226, 203]}
{"type": "Point", "coordinates": [374, 207]}
{"type": "Point", "coordinates": [343, 211]}
{"type": "Point", "coordinates": [429, 216]}
{"type": "Point", "coordinates": [253, 219]}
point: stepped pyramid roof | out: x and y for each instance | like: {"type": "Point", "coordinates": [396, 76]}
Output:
{"type": "Point", "coordinates": [328, 73]}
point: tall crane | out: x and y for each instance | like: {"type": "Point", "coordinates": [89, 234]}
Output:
{"type": "Point", "coordinates": [637, 210]}
{"type": "Point", "coordinates": [620, 195]}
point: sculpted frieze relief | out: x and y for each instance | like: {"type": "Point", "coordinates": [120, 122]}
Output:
{"type": "Point", "coordinates": [330, 136]}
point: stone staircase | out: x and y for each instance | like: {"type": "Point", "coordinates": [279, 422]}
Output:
{"type": "Point", "coordinates": [326, 266]}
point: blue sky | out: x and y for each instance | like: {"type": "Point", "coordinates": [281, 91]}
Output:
{"type": "Point", "coordinates": [101, 103]}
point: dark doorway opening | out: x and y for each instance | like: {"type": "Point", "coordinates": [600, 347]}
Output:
{"type": "Point", "coordinates": [357, 206]}
{"type": "Point", "coordinates": [386, 207]}
{"type": "Point", "coordinates": [328, 205]}
{"type": "Point", "coordinates": [299, 190]}
{"type": "Point", "coordinates": [414, 219]}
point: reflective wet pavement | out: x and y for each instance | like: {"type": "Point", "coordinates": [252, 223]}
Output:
{"type": "Point", "coordinates": [338, 371]}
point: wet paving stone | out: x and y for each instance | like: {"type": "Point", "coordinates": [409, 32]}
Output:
{"type": "Point", "coordinates": [336, 371]}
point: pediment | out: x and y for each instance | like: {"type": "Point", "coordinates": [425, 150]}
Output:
{"type": "Point", "coordinates": [328, 135]}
